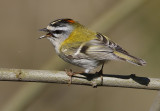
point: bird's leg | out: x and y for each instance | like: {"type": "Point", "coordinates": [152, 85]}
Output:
{"type": "Point", "coordinates": [70, 73]}
{"type": "Point", "coordinates": [100, 73]}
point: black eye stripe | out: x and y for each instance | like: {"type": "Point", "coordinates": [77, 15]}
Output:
{"type": "Point", "coordinates": [58, 31]}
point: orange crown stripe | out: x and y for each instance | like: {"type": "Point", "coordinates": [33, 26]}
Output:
{"type": "Point", "coordinates": [71, 21]}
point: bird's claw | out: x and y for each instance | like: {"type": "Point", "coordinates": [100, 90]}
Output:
{"type": "Point", "coordinates": [70, 73]}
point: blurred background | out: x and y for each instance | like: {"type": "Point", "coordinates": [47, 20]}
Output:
{"type": "Point", "coordinates": [133, 24]}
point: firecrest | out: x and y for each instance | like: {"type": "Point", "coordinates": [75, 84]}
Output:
{"type": "Point", "coordinates": [78, 45]}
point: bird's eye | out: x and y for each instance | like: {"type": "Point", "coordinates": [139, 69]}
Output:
{"type": "Point", "coordinates": [58, 31]}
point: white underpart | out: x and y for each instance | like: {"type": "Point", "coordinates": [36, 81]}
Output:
{"type": "Point", "coordinates": [87, 64]}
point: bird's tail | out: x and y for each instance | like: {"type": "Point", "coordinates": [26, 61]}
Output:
{"type": "Point", "coordinates": [129, 58]}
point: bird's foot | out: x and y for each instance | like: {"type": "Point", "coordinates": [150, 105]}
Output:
{"type": "Point", "coordinates": [100, 74]}
{"type": "Point", "coordinates": [70, 73]}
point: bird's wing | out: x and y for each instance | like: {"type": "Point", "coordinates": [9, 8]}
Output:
{"type": "Point", "coordinates": [100, 48]}
{"type": "Point", "coordinates": [97, 48]}
{"type": "Point", "coordinates": [103, 48]}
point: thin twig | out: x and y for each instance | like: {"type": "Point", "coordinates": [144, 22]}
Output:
{"type": "Point", "coordinates": [127, 81]}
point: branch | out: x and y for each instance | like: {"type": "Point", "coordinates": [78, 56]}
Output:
{"type": "Point", "coordinates": [127, 81]}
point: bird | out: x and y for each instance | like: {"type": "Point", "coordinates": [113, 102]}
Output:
{"type": "Point", "coordinates": [80, 46]}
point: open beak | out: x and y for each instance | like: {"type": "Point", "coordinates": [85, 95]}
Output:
{"type": "Point", "coordinates": [43, 36]}
{"type": "Point", "coordinates": [47, 35]}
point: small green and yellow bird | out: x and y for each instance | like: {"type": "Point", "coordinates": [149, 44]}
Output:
{"type": "Point", "coordinates": [82, 47]}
